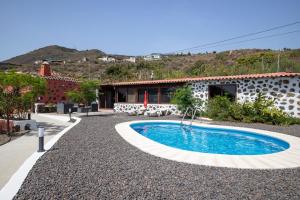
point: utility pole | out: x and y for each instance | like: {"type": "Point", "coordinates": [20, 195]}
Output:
{"type": "Point", "coordinates": [278, 61]}
{"type": "Point", "coordinates": [89, 71]}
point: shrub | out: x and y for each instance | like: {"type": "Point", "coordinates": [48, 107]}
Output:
{"type": "Point", "coordinates": [183, 98]}
{"type": "Point", "coordinates": [218, 108]}
{"type": "Point", "coordinates": [261, 110]}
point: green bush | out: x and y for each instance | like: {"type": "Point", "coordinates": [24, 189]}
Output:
{"type": "Point", "coordinates": [218, 108]}
{"type": "Point", "coordinates": [183, 98]}
{"type": "Point", "coordinates": [262, 110]}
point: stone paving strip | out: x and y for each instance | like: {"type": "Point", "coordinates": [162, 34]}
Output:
{"type": "Point", "coordinates": [14, 153]}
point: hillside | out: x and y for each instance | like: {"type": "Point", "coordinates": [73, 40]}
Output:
{"type": "Point", "coordinates": [54, 52]}
{"type": "Point", "coordinates": [70, 62]}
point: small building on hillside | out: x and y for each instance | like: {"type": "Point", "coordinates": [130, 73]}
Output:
{"type": "Point", "coordinates": [282, 86]}
{"type": "Point", "coordinates": [130, 59]}
{"type": "Point", "coordinates": [57, 85]}
{"type": "Point", "coordinates": [107, 59]}
{"type": "Point", "coordinates": [151, 57]}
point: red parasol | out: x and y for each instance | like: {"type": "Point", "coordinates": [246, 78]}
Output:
{"type": "Point", "coordinates": [145, 99]}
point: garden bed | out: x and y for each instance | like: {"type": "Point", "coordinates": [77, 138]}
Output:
{"type": "Point", "coordinates": [4, 139]}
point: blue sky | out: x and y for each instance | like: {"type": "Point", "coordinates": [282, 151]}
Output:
{"type": "Point", "coordinates": [138, 27]}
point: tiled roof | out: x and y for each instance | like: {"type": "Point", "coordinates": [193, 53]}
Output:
{"type": "Point", "coordinates": [60, 78]}
{"type": "Point", "coordinates": [210, 78]}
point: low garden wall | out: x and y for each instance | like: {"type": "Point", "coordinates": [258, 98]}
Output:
{"type": "Point", "coordinates": [3, 126]}
{"type": "Point", "coordinates": [125, 107]}
{"type": "Point", "coordinates": [21, 123]}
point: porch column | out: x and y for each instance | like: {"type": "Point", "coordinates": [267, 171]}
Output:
{"type": "Point", "coordinates": [158, 95]}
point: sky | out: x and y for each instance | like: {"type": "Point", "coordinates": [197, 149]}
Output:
{"type": "Point", "coordinates": [140, 27]}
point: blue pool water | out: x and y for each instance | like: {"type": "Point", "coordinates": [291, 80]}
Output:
{"type": "Point", "coordinates": [210, 140]}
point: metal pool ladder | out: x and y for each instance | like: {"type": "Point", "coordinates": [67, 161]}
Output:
{"type": "Point", "coordinates": [193, 115]}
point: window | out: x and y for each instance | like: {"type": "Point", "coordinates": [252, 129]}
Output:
{"type": "Point", "coordinates": [153, 95]}
{"type": "Point", "coordinates": [141, 93]}
{"type": "Point", "coordinates": [166, 94]}
{"type": "Point", "coordinates": [131, 95]}
{"type": "Point", "coordinates": [228, 90]}
{"type": "Point", "coordinates": [122, 94]}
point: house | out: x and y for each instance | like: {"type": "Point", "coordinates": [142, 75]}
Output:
{"type": "Point", "coordinates": [107, 59]}
{"type": "Point", "coordinates": [151, 57]}
{"type": "Point", "coordinates": [57, 85]}
{"type": "Point", "coordinates": [130, 59]}
{"type": "Point", "coordinates": [37, 62]}
{"type": "Point", "coordinates": [56, 62]}
{"type": "Point", "coordinates": [284, 87]}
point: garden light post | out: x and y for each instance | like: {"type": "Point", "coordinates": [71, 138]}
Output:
{"type": "Point", "coordinates": [70, 112]}
{"type": "Point", "coordinates": [41, 139]}
{"type": "Point", "coordinates": [29, 115]}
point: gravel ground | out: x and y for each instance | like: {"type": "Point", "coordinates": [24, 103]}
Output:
{"type": "Point", "coordinates": [92, 161]}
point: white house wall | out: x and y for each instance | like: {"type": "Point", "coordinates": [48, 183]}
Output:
{"type": "Point", "coordinates": [285, 91]}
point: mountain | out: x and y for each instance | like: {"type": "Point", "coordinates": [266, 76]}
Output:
{"type": "Point", "coordinates": [84, 64]}
{"type": "Point", "coordinates": [54, 52]}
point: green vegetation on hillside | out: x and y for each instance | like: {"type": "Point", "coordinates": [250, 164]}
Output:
{"type": "Point", "coordinates": [245, 61]}
{"type": "Point", "coordinates": [224, 63]}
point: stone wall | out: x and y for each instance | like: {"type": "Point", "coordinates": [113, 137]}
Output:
{"type": "Point", "coordinates": [285, 91]}
{"type": "Point", "coordinates": [125, 107]}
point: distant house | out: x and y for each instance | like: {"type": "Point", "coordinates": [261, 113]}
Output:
{"type": "Point", "coordinates": [153, 56]}
{"type": "Point", "coordinates": [107, 59]}
{"type": "Point", "coordinates": [37, 62]}
{"type": "Point", "coordinates": [57, 62]}
{"type": "Point", "coordinates": [130, 59]}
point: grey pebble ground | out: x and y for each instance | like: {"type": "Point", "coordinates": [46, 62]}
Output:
{"type": "Point", "coordinates": [92, 161]}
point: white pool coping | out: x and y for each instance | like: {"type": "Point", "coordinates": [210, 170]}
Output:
{"type": "Point", "coordinates": [289, 158]}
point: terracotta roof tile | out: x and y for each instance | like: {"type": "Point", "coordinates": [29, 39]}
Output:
{"type": "Point", "coordinates": [209, 78]}
{"type": "Point", "coordinates": [60, 78]}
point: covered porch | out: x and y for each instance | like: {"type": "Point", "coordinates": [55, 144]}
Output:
{"type": "Point", "coordinates": [130, 95]}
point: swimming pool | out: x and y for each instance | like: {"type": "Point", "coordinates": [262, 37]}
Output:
{"type": "Point", "coordinates": [210, 140]}
{"type": "Point", "coordinates": [213, 145]}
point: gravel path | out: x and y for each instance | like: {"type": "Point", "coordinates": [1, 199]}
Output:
{"type": "Point", "coordinates": [93, 162]}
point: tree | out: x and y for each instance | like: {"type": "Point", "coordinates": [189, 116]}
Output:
{"type": "Point", "coordinates": [17, 94]}
{"type": "Point", "coordinates": [86, 93]}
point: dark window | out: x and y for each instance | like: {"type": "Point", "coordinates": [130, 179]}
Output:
{"type": "Point", "coordinates": [166, 94]}
{"type": "Point", "coordinates": [141, 93]}
{"type": "Point", "coordinates": [63, 98]}
{"type": "Point", "coordinates": [153, 95]}
{"type": "Point", "coordinates": [131, 95]}
{"type": "Point", "coordinates": [122, 94]}
{"type": "Point", "coordinates": [222, 90]}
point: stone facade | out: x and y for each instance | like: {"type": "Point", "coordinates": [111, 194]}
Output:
{"type": "Point", "coordinates": [285, 91]}
{"type": "Point", "coordinates": [125, 107]}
